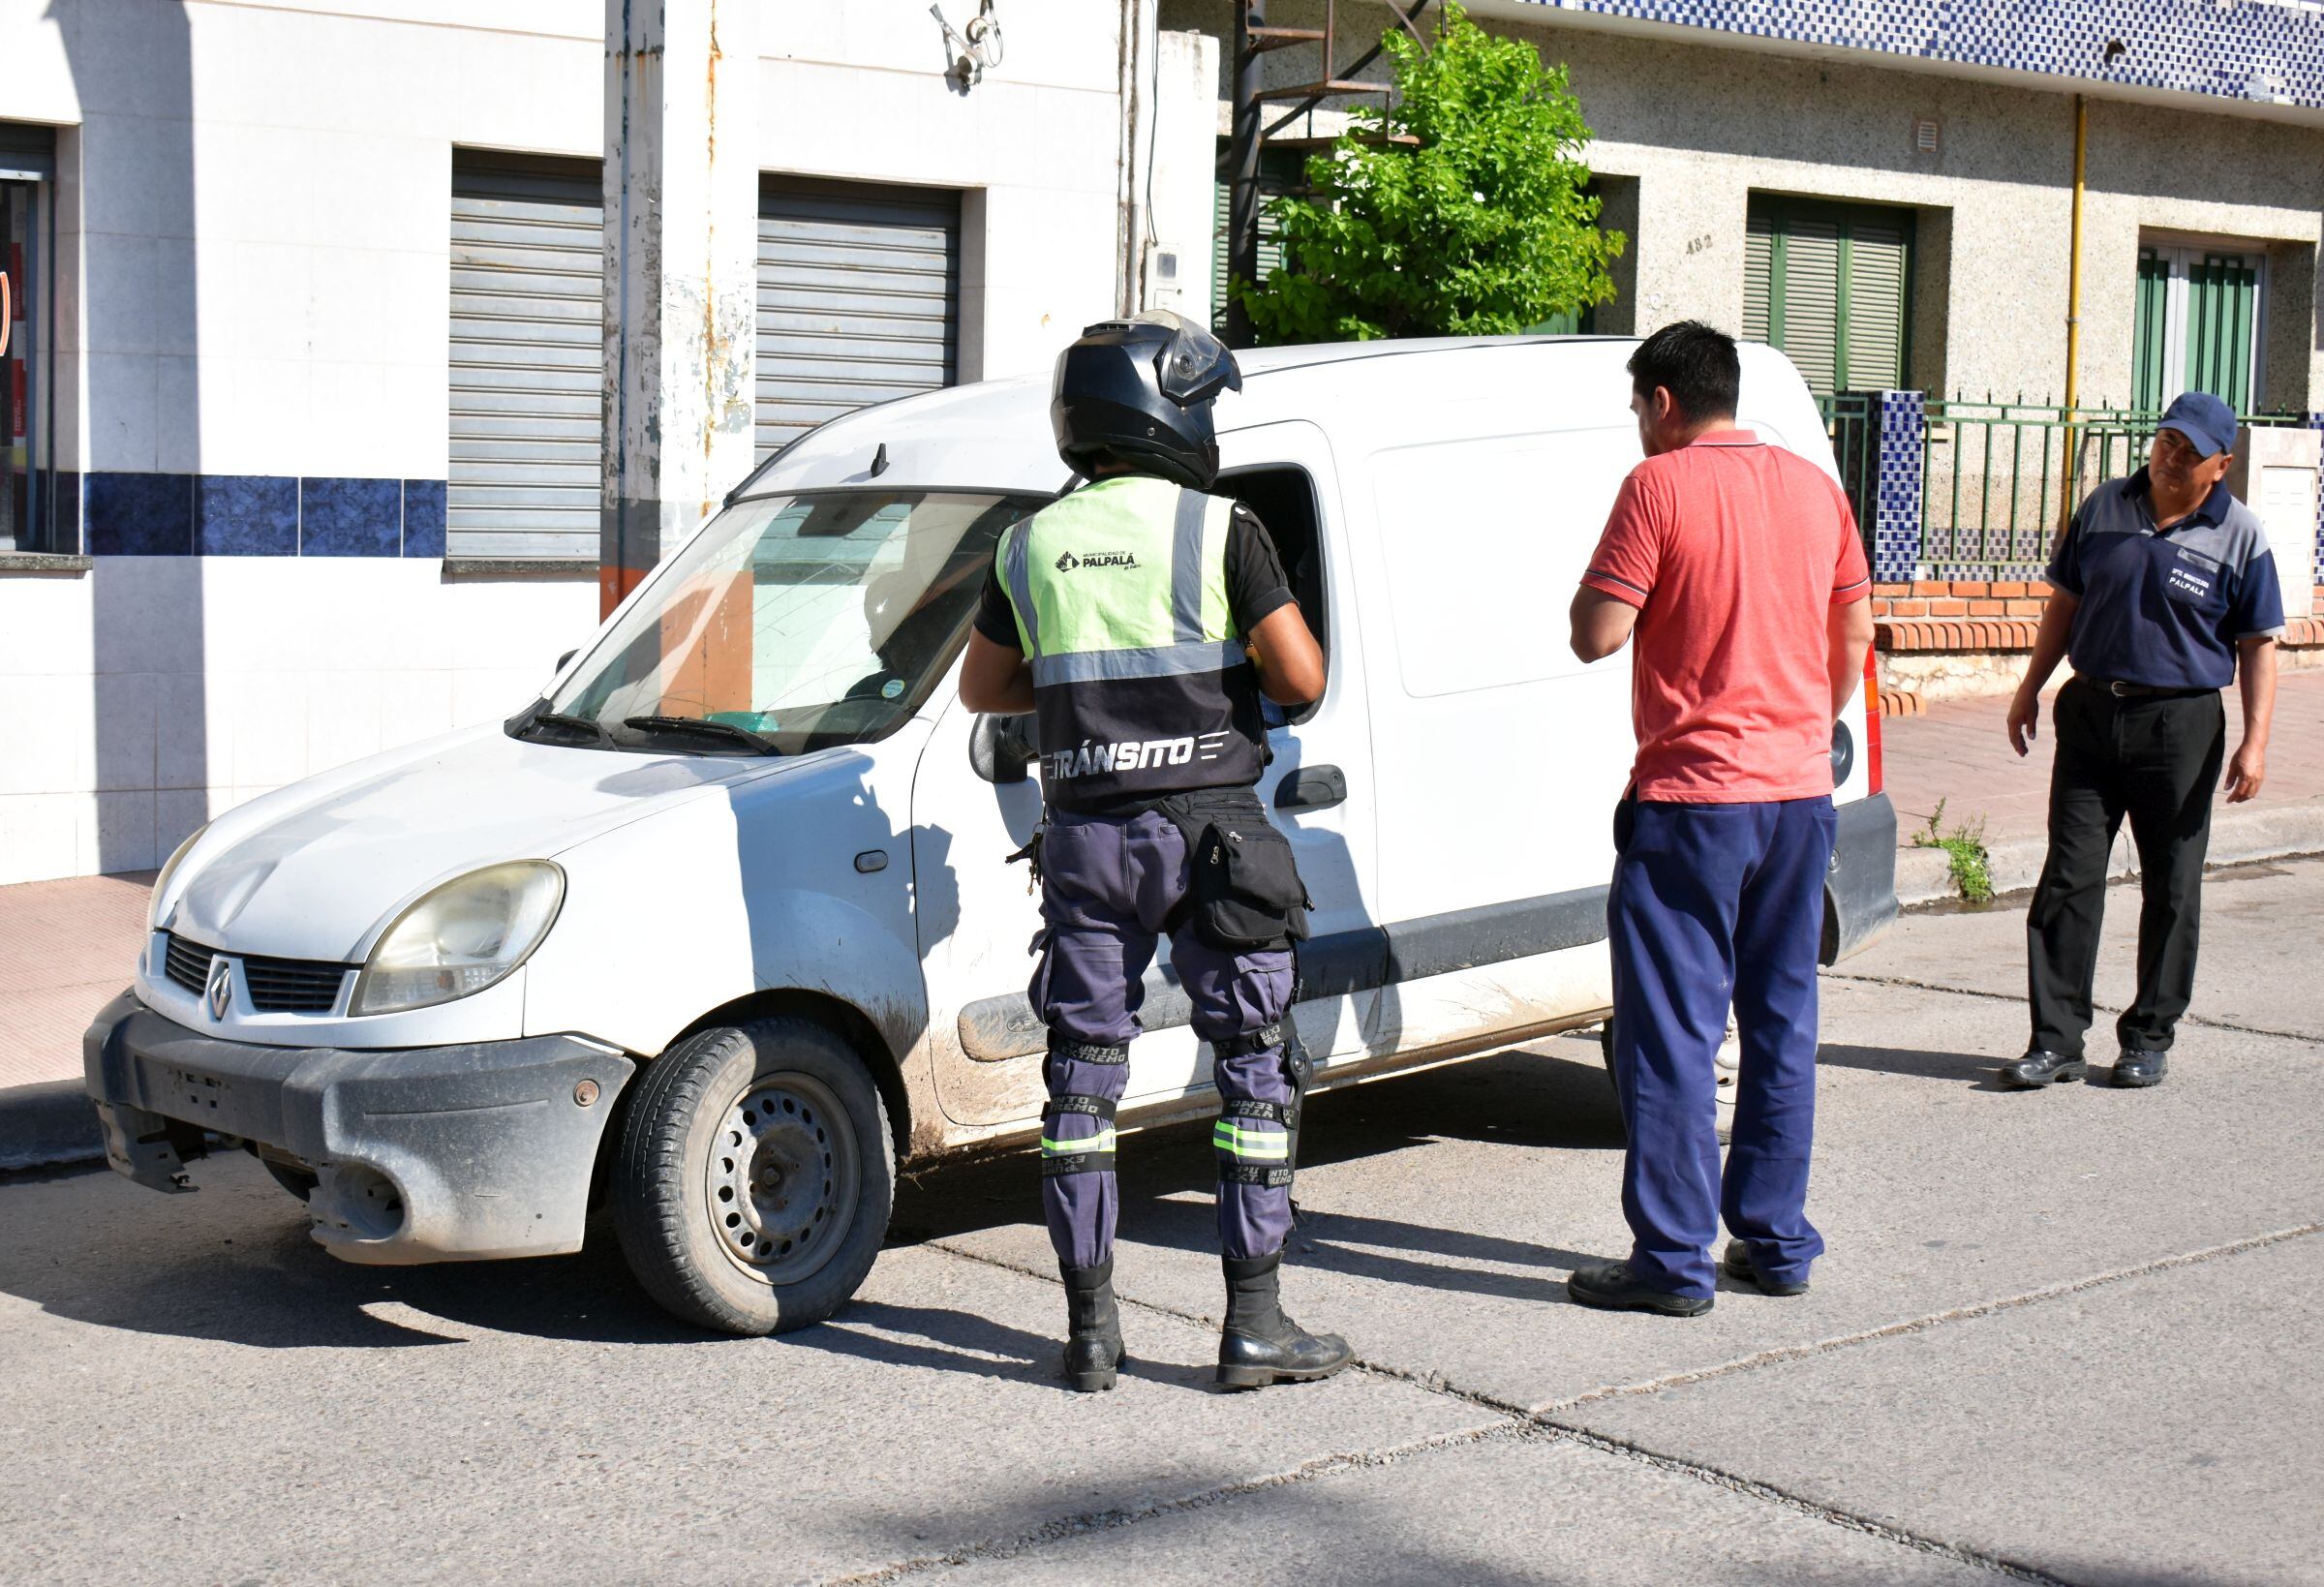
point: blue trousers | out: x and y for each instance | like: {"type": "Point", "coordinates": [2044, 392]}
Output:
{"type": "Point", "coordinates": [1109, 888]}
{"type": "Point", "coordinates": [1713, 904]}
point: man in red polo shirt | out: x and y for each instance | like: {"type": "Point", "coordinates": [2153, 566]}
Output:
{"type": "Point", "coordinates": [1738, 568]}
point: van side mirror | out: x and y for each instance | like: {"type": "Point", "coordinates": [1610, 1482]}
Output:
{"type": "Point", "coordinates": [568, 657]}
{"type": "Point", "coordinates": [1001, 748]}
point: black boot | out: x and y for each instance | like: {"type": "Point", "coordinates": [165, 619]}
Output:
{"type": "Point", "coordinates": [1260, 1345]}
{"type": "Point", "coordinates": [1093, 1342]}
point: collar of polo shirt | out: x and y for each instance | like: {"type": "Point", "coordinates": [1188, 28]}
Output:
{"type": "Point", "coordinates": [2212, 510]}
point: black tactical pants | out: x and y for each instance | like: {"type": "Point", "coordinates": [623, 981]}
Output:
{"type": "Point", "coordinates": [2155, 760]}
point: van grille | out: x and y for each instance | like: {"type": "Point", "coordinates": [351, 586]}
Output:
{"type": "Point", "coordinates": [276, 986]}
{"type": "Point", "coordinates": [188, 963]}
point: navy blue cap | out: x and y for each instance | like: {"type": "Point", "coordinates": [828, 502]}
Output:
{"type": "Point", "coordinates": [2204, 419]}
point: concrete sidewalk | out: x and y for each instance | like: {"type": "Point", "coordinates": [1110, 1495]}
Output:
{"type": "Point", "coordinates": [1958, 753]}
{"type": "Point", "coordinates": [67, 946]}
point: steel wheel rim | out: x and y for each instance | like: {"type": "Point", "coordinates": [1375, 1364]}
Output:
{"type": "Point", "coordinates": [784, 1178]}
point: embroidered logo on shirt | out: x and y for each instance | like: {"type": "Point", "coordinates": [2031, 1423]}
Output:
{"type": "Point", "coordinates": [2189, 582]}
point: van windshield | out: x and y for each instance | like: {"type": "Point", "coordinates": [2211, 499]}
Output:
{"type": "Point", "coordinates": [788, 624]}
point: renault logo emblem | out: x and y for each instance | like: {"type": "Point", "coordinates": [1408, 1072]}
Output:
{"type": "Point", "coordinates": [220, 989]}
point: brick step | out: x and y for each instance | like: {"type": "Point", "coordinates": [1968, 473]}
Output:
{"type": "Point", "coordinates": [1990, 635]}
{"type": "Point", "coordinates": [1973, 635]}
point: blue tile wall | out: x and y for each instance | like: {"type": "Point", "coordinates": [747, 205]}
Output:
{"type": "Point", "coordinates": [245, 515]}
{"type": "Point", "coordinates": [1902, 419]}
{"type": "Point", "coordinates": [140, 514]}
{"type": "Point", "coordinates": [2229, 49]}
{"type": "Point", "coordinates": [66, 538]}
{"type": "Point", "coordinates": [111, 514]}
{"type": "Point", "coordinates": [423, 517]}
{"type": "Point", "coordinates": [350, 518]}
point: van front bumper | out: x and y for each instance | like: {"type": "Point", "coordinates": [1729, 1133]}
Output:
{"type": "Point", "coordinates": [1859, 895]}
{"type": "Point", "coordinates": [420, 1155]}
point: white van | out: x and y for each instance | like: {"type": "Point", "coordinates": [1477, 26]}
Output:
{"type": "Point", "coordinates": [718, 930]}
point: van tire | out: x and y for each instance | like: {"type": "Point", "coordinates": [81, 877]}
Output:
{"type": "Point", "coordinates": [694, 1243]}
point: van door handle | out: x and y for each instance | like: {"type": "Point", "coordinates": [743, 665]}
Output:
{"type": "Point", "coordinates": [1311, 788]}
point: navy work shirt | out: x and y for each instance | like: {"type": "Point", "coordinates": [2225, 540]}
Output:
{"type": "Point", "coordinates": [2164, 607]}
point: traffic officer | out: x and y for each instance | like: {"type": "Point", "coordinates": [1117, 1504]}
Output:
{"type": "Point", "coordinates": [1140, 619]}
{"type": "Point", "coordinates": [2160, 585]}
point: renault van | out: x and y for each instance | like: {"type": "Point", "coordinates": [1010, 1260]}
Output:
{"type": "Point", "coordinates": [717, 933]}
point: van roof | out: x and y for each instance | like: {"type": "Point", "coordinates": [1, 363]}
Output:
{"type": "Point", "coordinates": [994, 435]}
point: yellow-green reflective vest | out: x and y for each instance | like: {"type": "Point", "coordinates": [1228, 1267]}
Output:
{"type": "Point", "coordinates": [1141, 686]}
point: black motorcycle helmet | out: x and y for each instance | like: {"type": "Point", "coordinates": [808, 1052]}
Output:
{"type": "Point", "coordinates": [1137, 392]}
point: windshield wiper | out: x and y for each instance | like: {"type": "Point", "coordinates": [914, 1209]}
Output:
{"type": "Point", "coordinates": [703, 726]}
{"type": "Point", "coordinates": [558, 721]}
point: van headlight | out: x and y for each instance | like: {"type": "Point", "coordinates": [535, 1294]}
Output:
{"type": "Point", "coordinates": [465, 936]}
{"type": "Point", "coordinates": [160, 882]}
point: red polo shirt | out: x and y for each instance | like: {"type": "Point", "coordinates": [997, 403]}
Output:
{"type": "Point", "coordinates": [1734, 553]}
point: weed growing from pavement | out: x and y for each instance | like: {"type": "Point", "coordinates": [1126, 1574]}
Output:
{"type": "Point", "coordinates": [1965, 847]}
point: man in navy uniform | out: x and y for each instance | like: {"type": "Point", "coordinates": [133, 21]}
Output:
{"type": "Point", "coordinates": [2162, 589]}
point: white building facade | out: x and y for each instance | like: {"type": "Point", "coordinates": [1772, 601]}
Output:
{"type": "Point", "coordinates": [306, 394]}
{"type": "Point", "coordinates": [308, 440]}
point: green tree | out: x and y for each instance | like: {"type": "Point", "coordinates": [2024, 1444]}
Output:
{"type": "Point", "coordinates": [1458, 210]}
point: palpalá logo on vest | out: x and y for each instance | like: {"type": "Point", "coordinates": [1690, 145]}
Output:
{"type": "Point", "coordinates": [1067, 563]}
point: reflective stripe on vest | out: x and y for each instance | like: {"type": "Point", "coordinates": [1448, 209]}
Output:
{"type": "Point", "coordinates": [1141, 684]}
{"type": "Point", "coordinates": [1124, 578]}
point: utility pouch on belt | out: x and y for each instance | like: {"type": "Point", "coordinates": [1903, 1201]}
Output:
{"type": "Point", "coordinates": [1243, 888]}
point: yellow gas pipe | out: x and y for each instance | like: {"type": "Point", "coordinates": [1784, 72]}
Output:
{"type": "Point", "coordinates": [2074, 320]}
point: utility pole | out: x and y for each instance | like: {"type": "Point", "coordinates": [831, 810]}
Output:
{"type": "Point", "coordinates": [681, 273]}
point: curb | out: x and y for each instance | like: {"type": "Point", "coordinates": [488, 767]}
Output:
{"type": "Point", "coordinates": [47, 1127]}
{"type": "Point", "coordinates": [2239, 836]}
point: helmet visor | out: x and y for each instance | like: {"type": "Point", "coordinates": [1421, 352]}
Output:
{"type": "Point", "coordinates": [1193, 365]}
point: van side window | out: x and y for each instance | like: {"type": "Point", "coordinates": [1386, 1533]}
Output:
{"type": "Point", "coordinates": [1284, 498]}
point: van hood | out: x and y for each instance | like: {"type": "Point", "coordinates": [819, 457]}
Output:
{"type": "Point", "coordinates": [315, 870]}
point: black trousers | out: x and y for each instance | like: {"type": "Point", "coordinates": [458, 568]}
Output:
{"type": "Point", "coordinates": [2155, 760]}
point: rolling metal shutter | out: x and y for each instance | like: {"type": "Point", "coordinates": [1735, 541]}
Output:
{"type": "Point", "coordinates": [1831, 285]}
{"type": "Point", "coordinates": [858, 300]}
{"type": "Point", "coordinates": [527, 359]}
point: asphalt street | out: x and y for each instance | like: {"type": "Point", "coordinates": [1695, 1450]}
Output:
{"type": "Point", "coordinates": [2075, 1336]}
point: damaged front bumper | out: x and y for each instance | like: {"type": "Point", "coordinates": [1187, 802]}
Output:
{"type": "Point", "coordinates": [420, 1155]}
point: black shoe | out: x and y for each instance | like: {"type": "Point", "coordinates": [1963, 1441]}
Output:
{"type": "Point", "coordinates": [2141, 1068]}
{"type": "Point", "coordinates": [2037, 1069]}
{"type": "Point", "coordinates": [1738, 1265]}
{"type": "Point", "coordinates": [1608, 1285]}
{"type": "Point", "coordinates": [1093, 1342]}
{"type": "Point", "coordinates": [1259, 1345]}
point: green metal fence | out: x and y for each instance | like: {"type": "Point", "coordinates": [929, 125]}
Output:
{"type": "Point", "coordinates": [1998, 477]}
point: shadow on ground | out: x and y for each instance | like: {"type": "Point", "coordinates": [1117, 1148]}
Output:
{"type": "Point", "coordinates": [234, 1262]}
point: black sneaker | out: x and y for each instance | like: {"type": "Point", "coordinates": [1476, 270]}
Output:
{"type": "Point", "coordinates": [1608, 1285]}
{"type": "Point", "coordinates": [1738, 1265]}
{"type": "Point", "coordinates": [2037, 1069]}
{"type": "Point", "coordinates": [2141, 1068]}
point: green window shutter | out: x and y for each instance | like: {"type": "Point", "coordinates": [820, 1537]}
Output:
{"type": "Point", "coordinates": [2222, 294]}
{"type": "Point", "coordinates": [1219, 194]}
{"type": "Point", "coordinates": [1811, 284]}
{"type": "Point", "coordinates": [2150, 330]}
{"type": "Point", "coordinates": [1831, 284]}
{"type": "Point", "coordinates": [1878, 277]}
{"type": "Point", "coordinates": [1280, 171]}
{"type": "Point", "coordinates": [1758, 281]}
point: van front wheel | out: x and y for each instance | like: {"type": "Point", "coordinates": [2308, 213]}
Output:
{"type": "Point", "coordinates": [754, 1175]}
